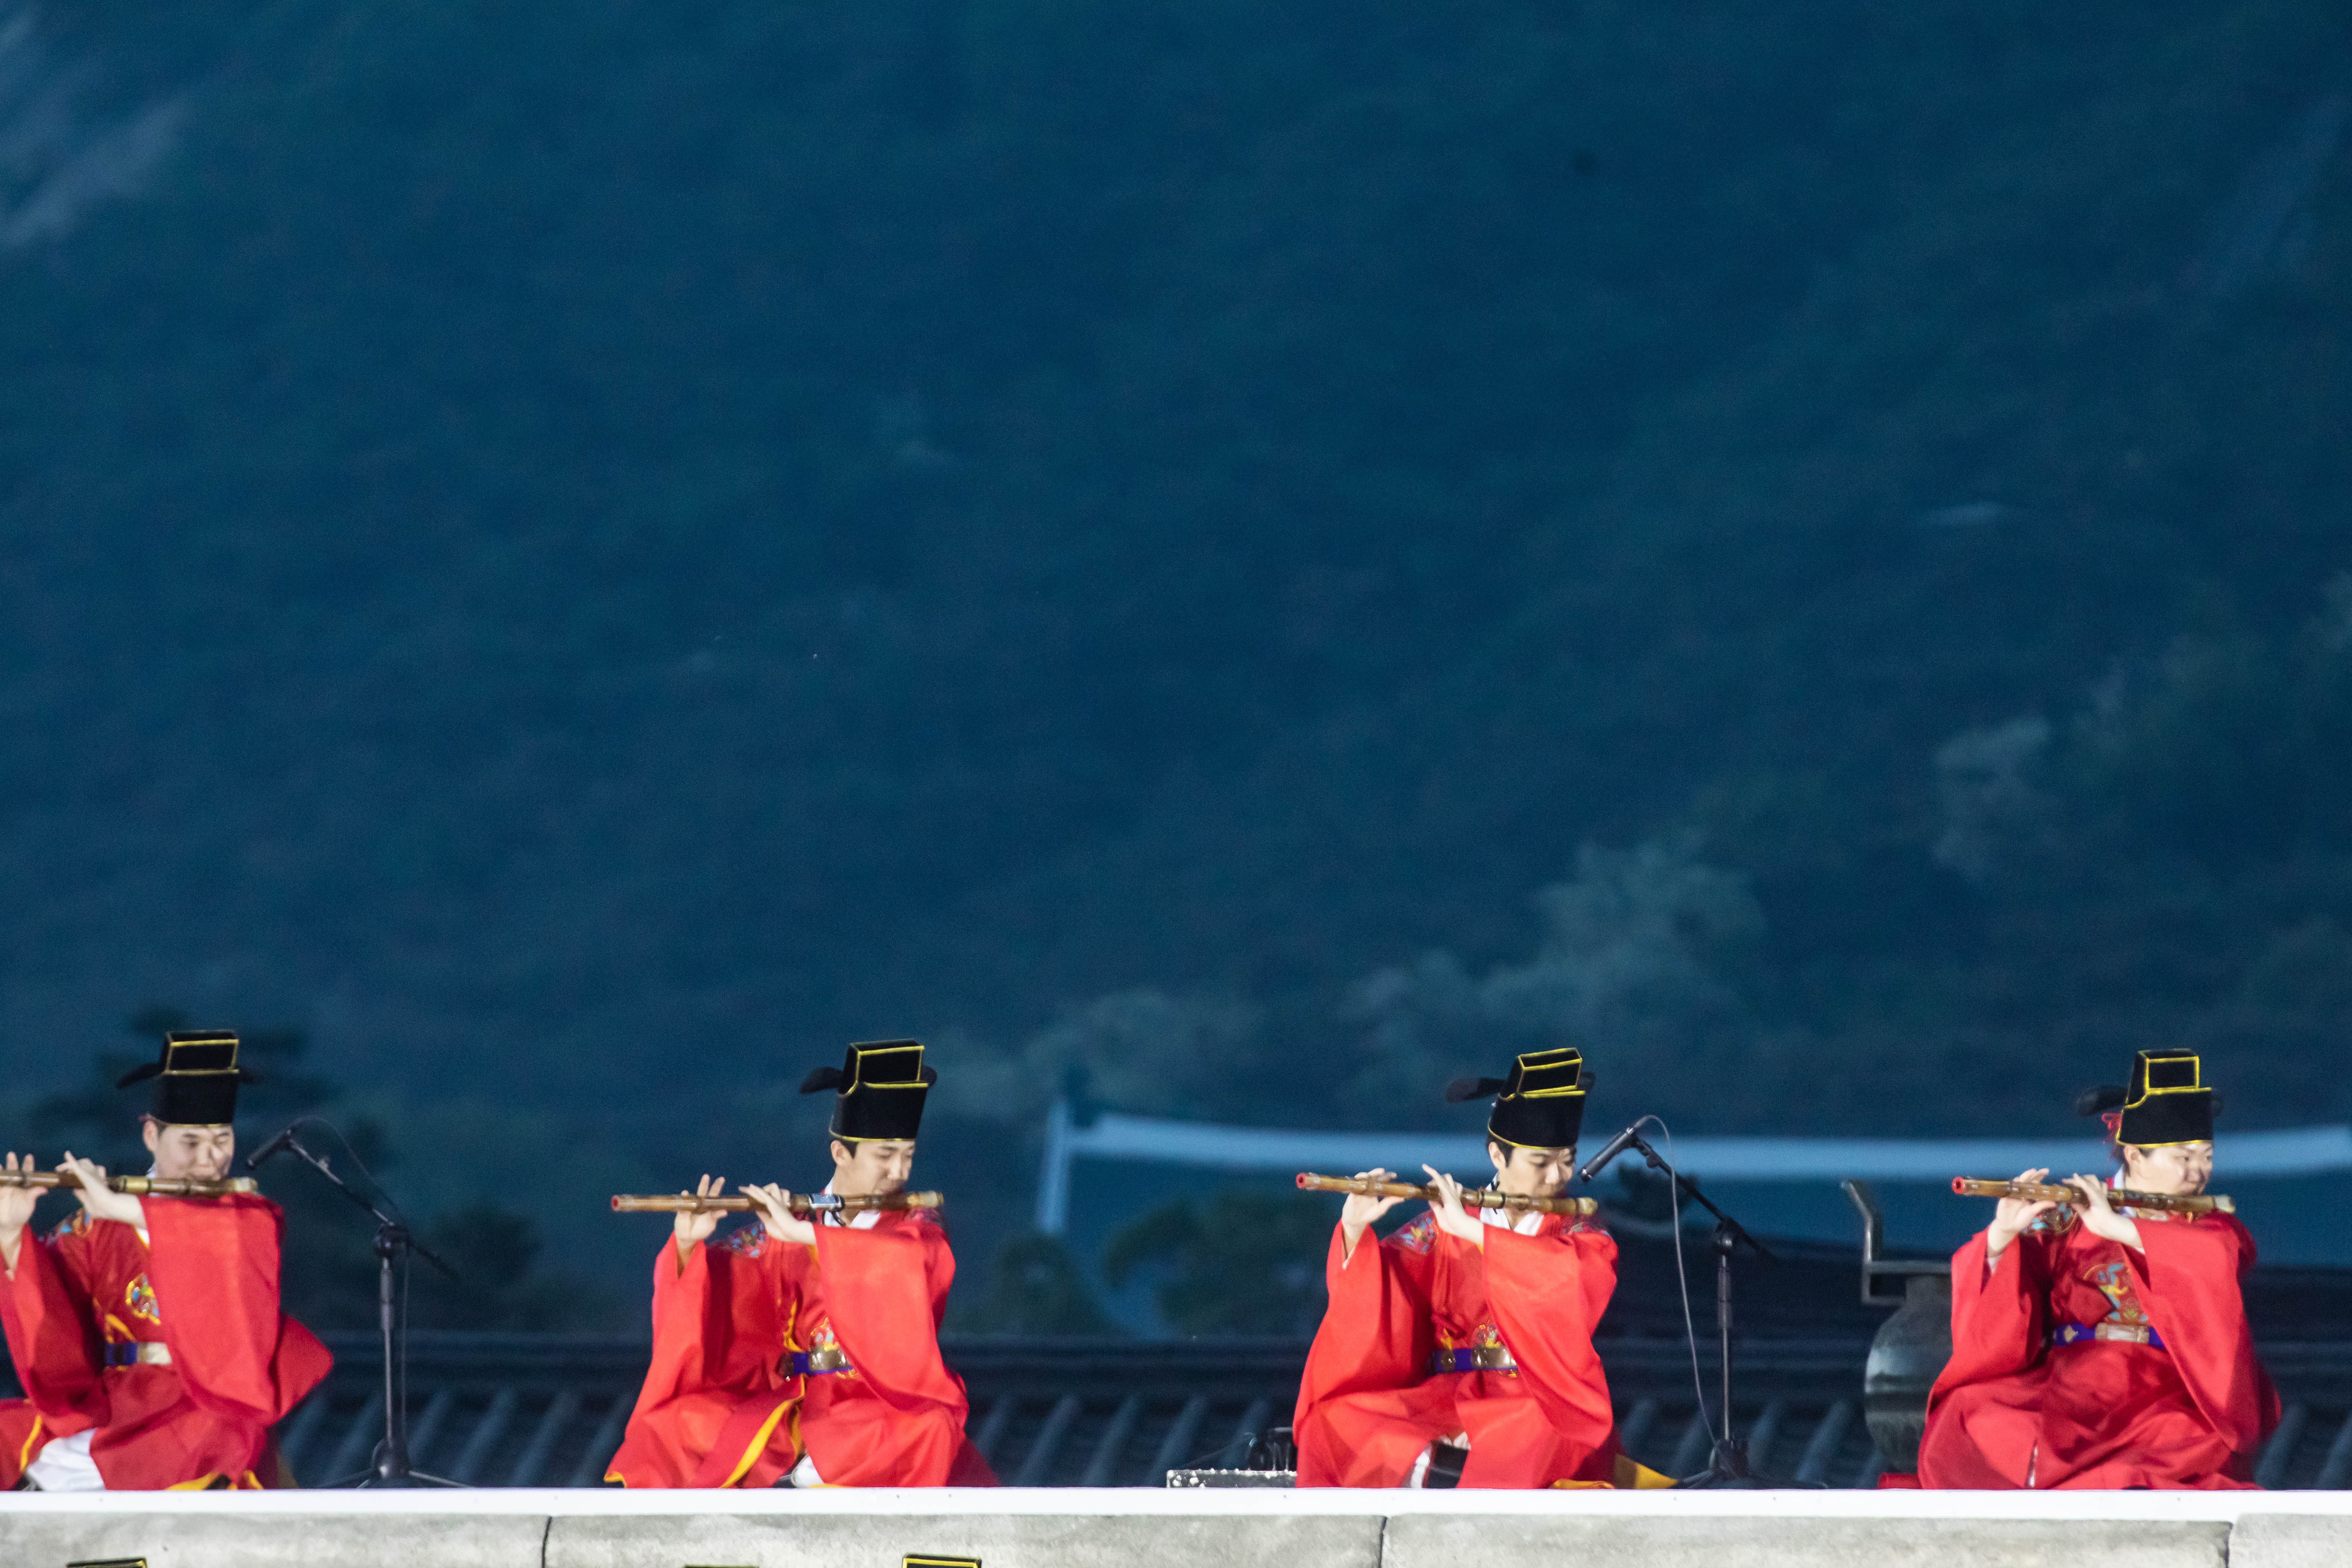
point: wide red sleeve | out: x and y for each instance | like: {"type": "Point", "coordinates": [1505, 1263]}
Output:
{"type": "Point", "coordinates": [718, 1333]}
{"type": "Point", "coordinates": [715, 1322]}
{"type": "Point", "coordinates": [45, 1310]}
{"type": "Point", "coordinates": [2188, 1281]}
{"type": "Point", "coordinates": [1999, 1323]}
{"type": "Point", "coordinates": [214, 1264]}
{"type": "Point", "coordinates": [1376, 1329]}
{"type": "Point", "coordinates": [886, 1291]}
{"type": "Point", "coordinates": [1548, 1292]}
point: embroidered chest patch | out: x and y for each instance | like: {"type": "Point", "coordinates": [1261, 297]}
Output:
{"type": "Point", "coordinates": [1418, 1236]}
{"type": "Point", "coordinates": [749, 1241]}
{"type": "Point", "coordinates": [2113, 1281]}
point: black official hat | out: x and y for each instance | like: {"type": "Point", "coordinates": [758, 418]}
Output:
{"type": "Point", "coordinates": [882, 1084]}
{"type": "Point", "coordinates": [2166, 1101]}
{"type": "Point", "coordinates": [1542, 1104]}
{"type": "Point", "coordinates": [196, 1079]}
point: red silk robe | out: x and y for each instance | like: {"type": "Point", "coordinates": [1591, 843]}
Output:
{"type": "Point", "coordinates": [205, 1285]}
{"type": "Point", "coordinates": [721, 1405]}
{"type": "Point", "coordinates": [1369, 1403]}
{"type": "Point", "coordinates": [2012, 1410]}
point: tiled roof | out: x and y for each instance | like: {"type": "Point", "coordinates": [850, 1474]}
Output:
{"type": "Point", "coordinates": [528, 1410]}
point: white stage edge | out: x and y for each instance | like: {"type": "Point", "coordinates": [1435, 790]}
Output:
{"type": "Point", "coordinates": [1154, 1503]}
{"type": "Point", "coordinates": [1084, 1528]}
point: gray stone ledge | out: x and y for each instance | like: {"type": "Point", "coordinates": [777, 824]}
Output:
{"type": "Point", "coordinates": [49, 1539]}
{"type": "Point", "coordinates": [1001, 1541]}
{"type": "Point", "coordinates": [1452, 1541]}
{"type": "Point", "coordinates": [2290, 1540]}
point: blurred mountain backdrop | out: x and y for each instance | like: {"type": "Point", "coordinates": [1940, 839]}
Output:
{"type": "Point", "coordinates": [1246, 558]}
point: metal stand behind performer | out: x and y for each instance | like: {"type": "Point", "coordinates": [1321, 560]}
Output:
{"type": "Point", "coordinates": [393, 1244]}
{"type": "Point", "coordinates": [1727, 1465]}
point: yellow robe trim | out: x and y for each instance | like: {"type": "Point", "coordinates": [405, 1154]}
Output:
{"type": "Point", "coordinates": [218, 1481]}
{"type": "Point", "coordinates": [767, 1430]}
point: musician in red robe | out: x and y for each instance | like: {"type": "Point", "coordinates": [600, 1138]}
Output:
{"type": "Point", "coordinates": [2108, 1346]}
{"type": "Point", "coordinates": [146, 1331]}
{"type": "Point", "coordinates": [1458, 1351]}
{"type": "Point", "coordinates": [805, 1352]}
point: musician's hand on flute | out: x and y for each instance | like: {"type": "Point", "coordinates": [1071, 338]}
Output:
{"type": "Point", "coordinates": [15, 1211]}
{"type": "Point", "coordinates": [1361, 1209]}
{"type": "Point", "coordinates": [2010, 1216]}
{"type": "Point", "coordinates": [692, 1227]}
{"type": "Point", "coordinates": [1452, 1218]}
{"type": "Point", "coordinates": [102, 1201]}
{"type": "Point", "coordinates": [776, 1206]}
{"type": "Point", "coordinates": [2099, 1215]}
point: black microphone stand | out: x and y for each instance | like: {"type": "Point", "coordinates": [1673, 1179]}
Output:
{"type": "Point", "coordinates": [393, 1244]}
{"type": "Point", "coordinates": [1727, 1465]}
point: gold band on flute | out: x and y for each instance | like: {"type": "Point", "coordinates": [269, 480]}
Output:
{"type": "Point", "coordinates": [138, 1187]}
{"type": "Point", "coordinates": [802, 1204]}
{"type": "Point", "coordinates": [1473, 1198]}
{"type": "Point", "coordinates": [2051, 1193]}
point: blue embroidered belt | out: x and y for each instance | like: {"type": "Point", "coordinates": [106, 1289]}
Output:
{"type": "Point", "coordinates": [138, 1352]}
{"type": "Point", "coordinates": [817, 1362]}
{"type": "Point", "coordinates": [2114, 1334]}
{"type": "Point", "coordinates": [1473, 1358]}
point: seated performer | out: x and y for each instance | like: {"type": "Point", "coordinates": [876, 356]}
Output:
{"type": "Point", "coordinates": [805, 1351]}
{"type": "Point", "coordinates": [2104, 1346]}
{"type": "Point", "coordinates": [1458, 1351]}
{"type": "Point", "coordinates": [146, 1331]}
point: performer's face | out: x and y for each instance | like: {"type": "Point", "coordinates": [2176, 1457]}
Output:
{"type": "Point", "coordinates": [873, 1165]}
{"type": "Point", "coordinates": [189, 1154]}
{"type": "Point", "coordinates": [1532, 1172]}
{"type": "Point", "coordinates": [2175, 1169]}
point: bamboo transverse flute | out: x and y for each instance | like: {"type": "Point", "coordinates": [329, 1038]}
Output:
{"type": "Point", "coordinates": [139, 1186]}
{"type": "Point", "coordinates": [1476, 1198]}
{"type": "Point", "coordinates": [2051, 1192]}
{"type": "Point", "coordinates": [802, 1202]}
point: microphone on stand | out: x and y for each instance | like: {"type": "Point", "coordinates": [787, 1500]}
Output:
{"type": "Point", "coordinates": [1615, 1146]}
{"type": "Point", "coordinates": [270, 1150]}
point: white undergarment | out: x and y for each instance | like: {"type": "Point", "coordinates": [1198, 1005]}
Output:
{"type": "Point", "coordinates": [64, 1465]}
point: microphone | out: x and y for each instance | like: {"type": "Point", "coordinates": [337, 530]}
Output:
{"type": "Point", "coordinates": [1616, 1146]}
{"type": "Point", "coordinates": [271, 1149]}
